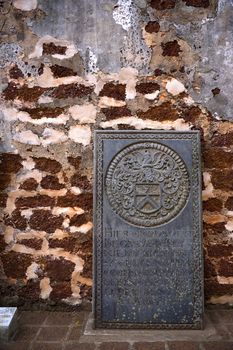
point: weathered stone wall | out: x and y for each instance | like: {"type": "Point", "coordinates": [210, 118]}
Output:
{"type": "Point", "coordinates": [69, 67]}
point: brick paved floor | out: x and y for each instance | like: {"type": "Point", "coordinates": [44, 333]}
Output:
{"type": "Point", "coordinates": [44, 330]}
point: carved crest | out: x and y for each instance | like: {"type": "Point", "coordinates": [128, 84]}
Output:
{"type": "Point", "coordinates": [147, 184]}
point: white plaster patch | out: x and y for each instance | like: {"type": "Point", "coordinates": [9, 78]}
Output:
{"type": "Point", "coordinates": [70, 211]}
{"type": "Point", "coordinates": [27, 213]}
{"type": "Point", "coordinates": [84, 114]}
{"type": "Point", "coordinates": [110, 102]}
{"type": "Point", "coordinates": [12, 114]}
{"type": "Point", "coordinates": [208, 191]}
{"type": "Point", "coordinates": [28, 164]}
{"type": "Point", "coordinates": [47, 79]}
{"type": "Point", "coordinates": [225, 299]}
{"type": "Point", "coordinates": [174, 87]}
{"type": "Point", "coordinates": [188, 100]}
{"type": "Point", "coordinates": [25, 5]}
{"type": "Point", "coordinates": [229, 225]}
{"type": "Point", "coordinates": [76, 190]}
{"type": "Point", "coordinates": [38, 52]}
{"type": "Point", "coordinates": [51, 136]}
{"type": "Point", "coordinates": [45, 99]}
{"type": "Point", "coordinates": [27, 137]}
{"type": "Point", "coordinates": [128, 76]}
{"type": "Point", "coordinates": [59, 234]}
{"type": "Point", "coordinates": [45, 288]}
{"type": "Point", "coordinates": [152, 96]}
{"type": "Point", "coordinates": [32, 270]}
{"type": "Point", "coordinates": [82, 229]}
{"type": "Point", "coordinates": [139, 124]}
{"type": "Point", "coordinates": [80, 134]}
{"type": "Point", "coordinates": [225, 280]}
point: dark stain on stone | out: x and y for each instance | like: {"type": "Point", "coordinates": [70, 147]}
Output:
{"type": "Point", "coordinates": [197, 3]}
{"type": "Point", "coordinates": [216, 91]}
{"type": "Point", "coordinates": [3, 199]}
{"type": "Point", "coordinates": [213, 204]}
{"type": "Point", "coordinates": [116, 112]}
{"type": "Point", "coordinates": [163, 4]}
{"type": "Point", "coordinates": [5, 180]}
{"type": "Point", "coordinates": [10, 163]}
{"type": "Point", "coordinates": [52, 49]}
{"type": "Point", "coordinates": [24, 93]}
{"type": "Point", "coordinates": [166, 111]}
{"type": "Point", "coordinates": [15, 72]}
{"type": "Point", "coordinates": [16, 220]}
{"type": "Point", "coordinates": [29, 185]}
{"type": "Point", "coordinates": [67, 243]}
{"type": "Point", "coordinates": [34, 202]}
{"type": "Point", "coordinates": [75, 161]}
{"type": "Point", "coordinates": [44, 112]}
{"type": "Point", "coordinates": [71, 91]}
{"type": "Point", "coordinates": [147, 88]}
{"type": "Point", "coordinates": [152, 27]}
{"type": "Point", "coordinates": [222, 179]}
{"type": "Point", "coordinates": [61, 71]}
{"type": "Point", "coordinates": [229, 204]}
{"type": "Point", "coordinates": [78, 220]}
{"type": "Point", "coordinates": [171, 48]}
{"type": "Point", "coordinates": [43, 220]}
{"type": "Point", "coordinates": [34, 243]}
{"type": "Point", "coordinates": [20, 265]}
{"type": "Point", "coordinates": [58, 269]}
{"type": "Point", "coordinates": [116, 91]}
{"type": "Point", "coordinates": [60, 290]}
{"type": "Point", "coordinates": [81, 181]}
{"type": "Point", "coordinates": [216, 157]}
{"type": "Point", "coordinates": [47, 164]}
{"type": "Point", "coordinates": [51, 182]}
{"type": "Point", "coordinates": [83, 200]}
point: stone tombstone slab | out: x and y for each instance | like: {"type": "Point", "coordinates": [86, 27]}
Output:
{"type": "Point", "coordinates": [147, 230]}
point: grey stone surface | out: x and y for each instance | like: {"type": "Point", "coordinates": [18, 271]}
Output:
{"type": "Point", "coordinates": [7, 322]}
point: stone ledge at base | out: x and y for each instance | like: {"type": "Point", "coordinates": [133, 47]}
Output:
{"type": "Point", "coordinates": [91, 335]}
{"type": "Point", "coordinates": [8, 322]}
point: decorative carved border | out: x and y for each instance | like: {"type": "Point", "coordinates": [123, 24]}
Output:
{"type": "Point", "coordinates": [194, 136]}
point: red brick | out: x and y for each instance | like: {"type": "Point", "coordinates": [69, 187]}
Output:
{"type": "Point", "coordinates": [78, 220]}
{"type": "Point", "coordinates": [166, 111]}
{"type": "Point", "coordinates": [218, 345]}
{"type": "Point", "coordinates": [152, 27]}
{"type": "Point", "coordinates": [222, 179]}
{"type": "Point", "coordinates": [226, 267]}
{"type": "Point", "coordinates": [171, 48]}
{"type": "Point", "coordinates": [75, 161]}
{"type": "Point", "coordinates": [34, 202]}
{"type": "Point", "coordinates": [81, 181]}
{"type": "Point", "coordinates": [43, 220]}
{"type": "Point", "coordinates": [61, 71]}
{"type": "Point", "coordinates": [20, 265]}
{"type": "Point", "coordinates": [216, 157]}
{"type": "Point", "coordinates": [3, 200]}
{"type": "Point", "coordinates": [116, 112]}
{"type": "Point", "coordinates": [213, 204]}
{"type": "Point", "coordinates": [52, 49]}
{"type": "Point", "coordinates": [10, 163]}
{"type": "Point", "coordinates": [197, 3]}
{"type": "Point", "coordinates": [24, 93]}
{"type": "Point", "coordinates": [5, 180]}
{"type": "Point", "coordinates": [225, 140]}
{"type": "Point", "coordinates": [83, 200]}
{"type": "Point", "coordinates": [47, 164]}
{"type": "Point", "coordinates": [29, 185]}
{"type": "Point", "coordinates": [163, 4]}
{"type": "Point", "coordinates": [71, 91]}
{"type": "Point", "coordinates": [219, 250]}
{"type": "Point", "coordinates": [113, 90]}
{"type": "Point", "coordinates": [41, 112]}
{"type": "Point", "coordinates": [114, 346]}
{"type": "Point", "coordinates": [34, 243]}
{"type": "Point", "coordinates": [60, 290]}
{"type": "Point", "coordinates": [16, 220]}
{"type": "Point", "coordinates": [229, 203]}
{"type": "Point", "coordinates": [147, 87]}
{"type": "Point", "coordinates": [51, 182]}
{"type": "Point", "coordinates": [67, 243]}
{"type": "Point", "coordinates": [58, 269]}
{"type": "Point", "coordinates": [209, 268]}
{"type": "Point", "coordinates": [15, 72]}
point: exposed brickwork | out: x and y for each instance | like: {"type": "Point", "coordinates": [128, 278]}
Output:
{"type": "Point", "coordinates": [116, 91]}
{"type": "Point", "coordinates": [152, 27]}
{"type": "Point", "coordinates": [5, 180]}
{"type": "Point", "coordinates": [44, 112]}
{"type": "Point", "coordinates": [215, 157]}
{"type": "Point", "coordinates": [116, 112]}
{"type": "Point", "coordinates": [213, 204]}
{"type": "Point", "coordinates": [19, 268]}
{"type": "Point", "coordinates": [171, 48]}
{"type": "Point", "coordinates": [23, 93]}
{"type": "Point", "coordinates": [147, 88]}
{"type": "Point", "coordinates": [71, 91]}
{"type": "Point", "coordinates": [229, 203]}
{"type": "Point", "coordinates": [61, 290]}
{"type": "Point", "coordinates": [43, 220]}
{"type": "Point", "coordinates": [78, 220]}
{"type": "Point", "coordinates": [223, 179]}
{"type": "Point", "coordinates": [29, 185]}
{"type": "Point", "coordinates": [51, 182]}
{"type": "Point", "coordinates": [33, 243]}
{"type": "Point", "coordinates": [165, 111]}
{"type": "Point", "coordinates": [16, 220]}
{"type": "Point", "coordinates": [52, 49]}
{"type": "Point", "coordinates": [34, 202]}
{"type": "Point", "coordinates": [163, 4]}
{"type": "Point", "coordinates": [61, 71]}
{"type": "Point", "coordinates": [197, 3]}
{"type": "Point", "coordinates": [83, 200]}
{"type": "Point", "coordinates": [75, 161]}
{"type": "Point", "coordinates": [3, 200]}
{"type": "Point", "coordinates": [67, 243]}
{"type": "Point", "coordinates": [58, 269]}
{"type": "Point", "coordinates": [81, 181]}
{"type": "Point", "coordinates": [47, 164]}
{"type": "Point", "coordinates": [15, 73]}
{"type": "Point", "coordinates": [10, 163]}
